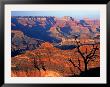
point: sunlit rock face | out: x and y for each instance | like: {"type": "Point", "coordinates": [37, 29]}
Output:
{"type": "Point", "coordinates": [41, 46]}
{"type": "Point", "coordinates": [43, 27]}
{"type": "Point", "coordinates": [51, 62]}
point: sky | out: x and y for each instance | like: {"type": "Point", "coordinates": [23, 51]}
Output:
{"type": "Point", "coordinates": [76, 14]}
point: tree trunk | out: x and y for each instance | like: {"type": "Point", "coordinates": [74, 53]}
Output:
{"type": "Point", "coordinates": [85, 66]}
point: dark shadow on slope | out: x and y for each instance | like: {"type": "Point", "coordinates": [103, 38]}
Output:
{"type": "Point", "coordinates": [94, 72]}
{"type": "Point", "coordinates": [66, 47]}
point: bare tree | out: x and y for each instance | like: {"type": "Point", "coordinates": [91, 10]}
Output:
{"type": "Point", "coordinates": [88, 55]}
{"type": "Point", "coordinates": [37, 61]}
{"type": "Point", "coordinates": [74, 65]}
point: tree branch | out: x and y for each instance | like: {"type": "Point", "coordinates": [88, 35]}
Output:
{"type": "Point", "coordinates": [79, 62]}
{"type": "Point", "coordinates": [81, 53]}
{"type": "Point", "coordinates": [91, 51]}
{"type": "Point", "coordinates": [74, 64]}
{"type": "Point", "coordinates": [92, 54]}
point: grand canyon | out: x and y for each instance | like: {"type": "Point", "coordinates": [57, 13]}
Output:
{"type": "Point", "coordinates": [49, 46]}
